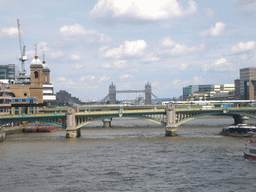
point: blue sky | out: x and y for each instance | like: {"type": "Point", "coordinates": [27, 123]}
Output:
{"type": "Point", "coordinates": [171, 43]}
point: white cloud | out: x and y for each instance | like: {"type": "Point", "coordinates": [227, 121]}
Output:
{"type": "Point", "coordinates": [245, 8]}
{"type": "Point", "coordinates": [177, 83]}
{"type": "Point", "coordinates": [183, 66]}
{"type": "Point", "coordinates": [111, 11]}
{"type": "Point", "coordinates": [77, 32]}
{"type": "Point", "coordinates": [134, 70]}
{"type": "Point", "coordinates": [167, 42]}
{"type": "Point", "coordinates": [120, 64]}
{"type": "Point", "coordinates": [61, 79]}
{"type": "Point", "coordinates": [221, 64]}
{"type": "Point", "coordinates": [180, 49]}
{"type": "Point", "coordinates": [209, 12]}
{"type": "Point", "coordinates": [179, 66]}
{"type": "Point", "coordinates": [244, 57]}
{"type": "Point", "coordinates": [125, 76]}
{"type": "Point", "coordinates": [106, 65]}
{"type": "Point", "coordinates": [117, 64]}
{"type": "Point", "coordinates": [77, 66]}
{"type": "Point", "coordinates": [75, 57]}
{"type": "Point", "coordinates": [214, 31]}
{"type": "Point", "coordinates": [134, 47]}
{"type": "Point", "coordinates": [49, 52]}
{"type": "Point", "coordinates": [155, 84]}
{"type": "Point", "coordinates": [151, 58]}
{"type": "Point", "coordinates": [243, 46]}
{"type": "Point", "coordinates": [104, 78]}
{"type": "Point", "coordinates": [115, 52]}
{"type": "Point", "coordinates": [88, 77]}
{"type": "Point", "coordinates": [129, 49]}
{"type": "Point", "coordinates": [170, 47]}
{"type": "Point", "coordinates": [11, 31]}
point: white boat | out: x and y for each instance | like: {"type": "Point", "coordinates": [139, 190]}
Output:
{"type": "Point", "coordinates": [240, 130]}
{"type": "Point", "coordinates": [250, 150]}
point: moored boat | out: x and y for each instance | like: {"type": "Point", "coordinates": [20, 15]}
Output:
{"type": "Point", "coordinates": [240, 130]}
{"type": "Point", "coordinates": [250, 150]}
{"type": "Point", "coordinates": [40, 128]}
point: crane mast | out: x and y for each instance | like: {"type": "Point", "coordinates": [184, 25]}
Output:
{"type": "Point", "coordinates": [23, 57]}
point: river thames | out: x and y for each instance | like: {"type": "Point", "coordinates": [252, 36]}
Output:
{"type": "Point", "coordinates": [133, 155]}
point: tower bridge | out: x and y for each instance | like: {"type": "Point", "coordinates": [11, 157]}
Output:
{"type": "Point", "coordinates": [111, 97]}
{"type": "Point", "coordinates": [74, 119]}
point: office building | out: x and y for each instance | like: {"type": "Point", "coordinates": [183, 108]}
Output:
{"type": "Point", "coordinates": [7, 72]}
{"type": "Point", "coordinates": [247, 83]}
{"type": "Point", "coordinates": [208, 92]}
{"type": "Point", "coordinates": [189, 90]}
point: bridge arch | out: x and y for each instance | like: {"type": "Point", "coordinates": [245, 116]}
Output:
{"type": "Point", "coordinates": [135, 116]}
{"type": "Point", "coordinates": [215, 113]}
{"type": "Point", "coordinates": [39, 120]}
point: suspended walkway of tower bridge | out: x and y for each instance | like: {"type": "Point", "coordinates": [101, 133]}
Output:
{"type": "Point", "coordinates": [155, 113]}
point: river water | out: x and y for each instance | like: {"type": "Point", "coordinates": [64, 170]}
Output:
{"type": "Point", "coordinates": [133, 155]}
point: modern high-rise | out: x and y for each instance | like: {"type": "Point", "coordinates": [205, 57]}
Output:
{"type": "Point", "coordinates": [7, 71]}
{"type": "Point", "coordinates": [189, 90]}
{"type": "Point", "coordinates": [247, 83]}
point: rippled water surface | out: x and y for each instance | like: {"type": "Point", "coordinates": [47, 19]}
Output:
{"type": "Point", "coordinates": [128, 158]}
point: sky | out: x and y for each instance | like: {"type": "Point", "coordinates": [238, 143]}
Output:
{"type": "Point", "coordinates": [89, 44]}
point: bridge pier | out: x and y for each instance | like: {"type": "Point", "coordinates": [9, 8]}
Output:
{"type": "Point", "coordinates": [171, 129]}
{"type": "Point", "coordinates": [71, 130]}
{"type": "Point", "coordinates": [107, 122]}
{"type": "Point", "coordinates": [238, 119]}
{"type": "Point", "coordinates": [73, 133]}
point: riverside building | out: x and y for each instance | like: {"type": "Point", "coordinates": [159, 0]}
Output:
{"type": "Point", "coordinates": [209, 92]}
{"type": "Point", "coordinates": [36, 86]}
{"type": "Point", "coordinates": [245, 86]}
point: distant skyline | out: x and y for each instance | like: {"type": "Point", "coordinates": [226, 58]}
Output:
{"type": "Point", "coordinates": [89, 44]}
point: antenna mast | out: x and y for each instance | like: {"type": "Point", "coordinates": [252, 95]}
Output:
{"type": "Point", "coordinates": [23, 57]}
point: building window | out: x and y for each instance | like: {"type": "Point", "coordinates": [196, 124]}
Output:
{"type": "Point", "coordinates": [36, 76]}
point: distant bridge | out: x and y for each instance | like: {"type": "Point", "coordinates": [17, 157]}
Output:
{"type": "Point", "coordinates": [74, 119]}
{"type": "Point", "coordinates": [111, 97]}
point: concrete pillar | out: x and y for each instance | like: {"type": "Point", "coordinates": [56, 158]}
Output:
{"type": "Point", "coordinates": [251, 90]}
{"type": "Point", "coordinates": [238, 119]}
{"type": "Point", "coordinates": [71, 130]}
{"type": "Point", "coordinates": [107, 122]}
{"type": "Point", "coordinates": [170, 121]}
{"type": "Point", "coordinates": [13, 110]}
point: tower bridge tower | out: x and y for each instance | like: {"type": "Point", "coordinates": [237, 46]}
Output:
{"type": "Point", "coordinates": [148, 91]}
{"type": "Point", "coordinates": [113, 91]}
{"type": "Point", "coordinates": [112, 94]}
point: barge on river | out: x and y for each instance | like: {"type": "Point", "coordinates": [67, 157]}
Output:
{"type": "Point", "coordinates": [250, 150]}
{"type": "Point", "coordinates": [240, 130]}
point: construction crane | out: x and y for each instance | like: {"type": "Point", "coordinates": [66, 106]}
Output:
{"type": "Point", "coordinates": [23, 57]}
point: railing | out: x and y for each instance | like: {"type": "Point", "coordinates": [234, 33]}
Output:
{"type": "Point", "coordinates": [124, 111]}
